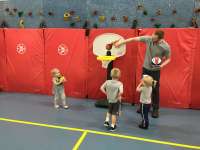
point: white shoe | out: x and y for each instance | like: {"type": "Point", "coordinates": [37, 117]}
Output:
{"type": "Point", "coordinates": [56, 106]}
{"type": "Point", "coordinates": [65, 107]}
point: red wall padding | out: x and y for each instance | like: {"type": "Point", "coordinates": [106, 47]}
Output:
{"type": "Point", "coordinates": [176, 77]}
{"type": "Point", "coordinates": [25, 72]}
{"type": "Point", "coordinates": [195, 93]}
{"type": "Point", "coordinates": [73, 65]}
{"type": "Point", "coordinates": [2, 61]}
{"type": "Point", "coordinates": [127, 64]}
{"type": "Point", "coordinates": [30, 71]}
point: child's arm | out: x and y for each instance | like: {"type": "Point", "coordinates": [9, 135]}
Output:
{"type": "Point", "coordinates": [121, 90]}
{"type": "Point", "coordinates": [139, 87]}
{"type": "Point", "coordinates": [120, 99]}
{"type": "Point", "coordinates": [119, 96]}
{"type": "Point", "coordinates": [103, 88]}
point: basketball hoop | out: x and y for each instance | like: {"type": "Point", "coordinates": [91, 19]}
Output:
{"type": "Point", "coordinates": [105, 60]}
{"type": "Point", "coordinates": [103, 44]}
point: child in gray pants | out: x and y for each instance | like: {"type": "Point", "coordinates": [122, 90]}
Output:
{"type": "Point", "coordinates": [58, 88]}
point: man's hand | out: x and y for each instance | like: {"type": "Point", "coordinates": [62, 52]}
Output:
{"type": "Point", "coordinates": [118, 43]}
{"type": "Point", "coordinates": [166, 62]}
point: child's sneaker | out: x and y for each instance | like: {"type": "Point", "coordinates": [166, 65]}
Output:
{"type": "Point", "coordinates": [65, 107]}
{"type": "Point", "coordinates": [143, 127]}
{"type": "Point", "coordinates": [138, 111]}
{"type": "Point", "coordinates": [106, 124]}
{"type": "Point", "coordinates": [56, 106]}
{"type": "Point", "coordinates": [113, 128]}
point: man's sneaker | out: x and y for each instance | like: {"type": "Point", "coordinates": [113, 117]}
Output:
{"type": "Point", "coordinates": [155, 114]}
{"type": "Point", "coordinates": [112, 128]}
{"type": "Point", "coordinates": [106, 124]}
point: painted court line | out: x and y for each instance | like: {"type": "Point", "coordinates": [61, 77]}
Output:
{"type": "Point", "coordinates": [101, 133]}
{"type": "Point", "coordinates": [77, 145]}
{"type": "Point", "coordinates": [41, 124]}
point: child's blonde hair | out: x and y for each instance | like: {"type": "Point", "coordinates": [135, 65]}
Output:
{"type": "Point", "coordinates": [115, 73]}
{"type": "Point", "coordinates": [54, 71]}
{"type": "Point", "coordinates": [149, 81]}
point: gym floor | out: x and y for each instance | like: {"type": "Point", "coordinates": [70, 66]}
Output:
{"type": "Point", "coordinates": [30, 122]}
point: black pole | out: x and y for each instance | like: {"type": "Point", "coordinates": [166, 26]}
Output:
{"type": "Point", "coordinates": [110, 66]}
{"type": "Point", "coordinates": [104, 103]}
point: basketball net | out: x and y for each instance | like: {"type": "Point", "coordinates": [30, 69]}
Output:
{"type": "Point", "coordinates": [105, 60]}
{"type": "Point", "coordinates": [105, 63]}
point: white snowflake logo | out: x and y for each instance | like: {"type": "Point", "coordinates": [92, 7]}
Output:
{"type": "Point", "coordinates": [21, 48]}
{"type": "Point", "coordinates": [62, 49]}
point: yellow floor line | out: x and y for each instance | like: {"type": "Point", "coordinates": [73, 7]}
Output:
{"type": "Point", "coordinates": [102, 133]}
{"type": "Point", "coordinates": [77, 145]}
{"type": "Point", "coordinates": [41, 124]}
{"type": "Point", "coordinates": [145, 140]}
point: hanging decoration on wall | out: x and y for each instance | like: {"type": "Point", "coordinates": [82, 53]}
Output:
{"type": "Point", "coordinates": [145, 12]}
{"type": "Point", "coordinates": [50, 13]}
{"type": "Point", "coordinates": [125, 19]}
{"type": "Point", "coordinates": [174, 12]}
{"type": "Point", "coordinates": [4, 24]}
{"type": "Point", "coordinates": [67, 16]}
{"type": "Point", "coordinates": [72, 24]}
{"type": "Point", "coordinates": [158, 12]}
{"type": "Point", "coordinates": [40, 13]}
{"type": "Point", "coordinates": [7, 9]}
{"type": "Point", "coordinates": [113, 18]}
{"type": "Point", "coordinates": [157, 25]}
{"type": "Point", "coordinates": [95, 25]}
{"type": "Point", "coordinates": [21, 23]}
{"type": "Point", "coordinates": [197, 10]}
{"type": "Point", "coordinates": [42, 24]}
{"type": "Point", "coordinates": [15, 10]}
{"type": "Point", "coordinates": [194, 23]}
{"type": "Point", "coordinates": [95, 13]}
{"type": "Point", "coordinates": [140, 7]}
{"type": "Point", "coordinates": [102, 18]}
{"type": "Point", "coordinates": [77, 18]}
{"type": "Point", "coordinates": [20, 13]}
{"type": "Point", "coordinates": [134, 24]}
{"type": "Point", "coordinates": [72, 12]}
{"type": "Point", "coordinates": [172, 25]}
{"type": "Point", "coordinates": [30, 14]}
{"type": "Point", "coordinates": [11, 13]}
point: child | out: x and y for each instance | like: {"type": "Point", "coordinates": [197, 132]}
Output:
{"type": "Point", "coordinates": [145, 87]}
{"type": "Point", "coordinates": [113, 89]}
{"type": "Point", "coordinates": [58, 88]}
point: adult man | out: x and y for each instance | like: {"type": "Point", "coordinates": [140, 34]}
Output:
{"type": "Point", "coordinates": [157, 56]}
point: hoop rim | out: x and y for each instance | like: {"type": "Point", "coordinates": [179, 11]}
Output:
{"type": "Point", "coordinates": [106, 58]}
